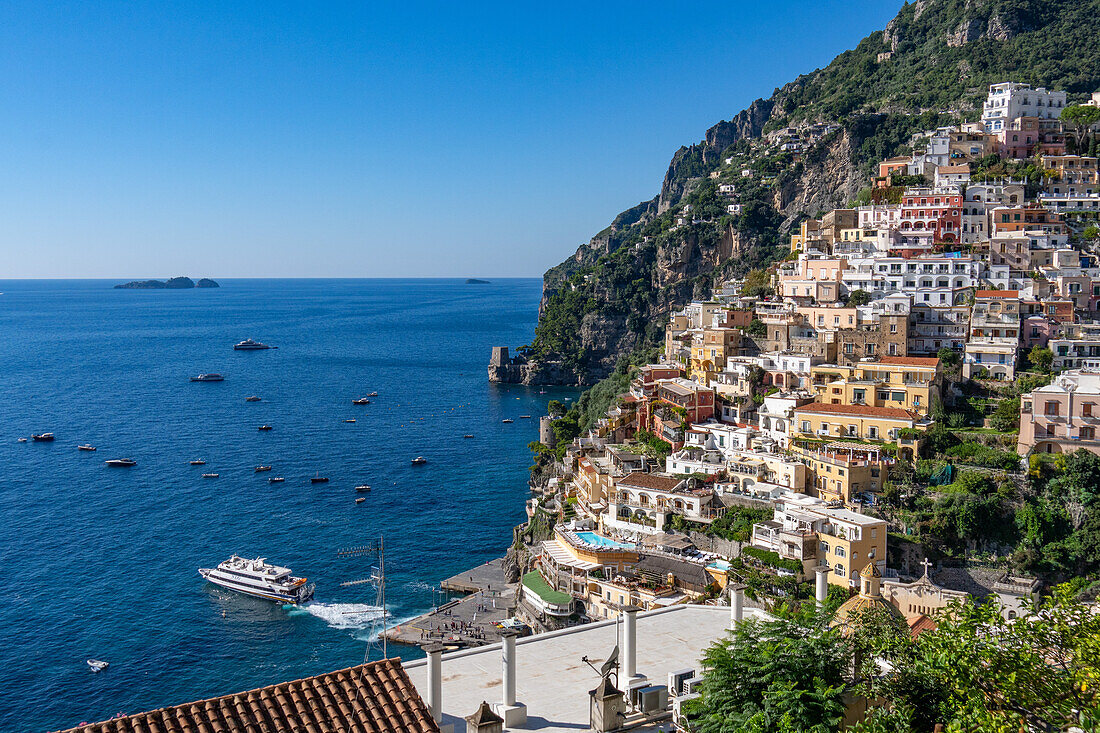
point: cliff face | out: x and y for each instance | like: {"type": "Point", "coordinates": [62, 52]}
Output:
{"type": "Point", "coordinates": [930, 66]}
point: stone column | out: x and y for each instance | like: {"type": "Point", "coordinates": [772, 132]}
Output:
{"type": "Point", "coordinates": [435, 680]}
{"type": "Point", "coordinates": [822, 584]}
{"type": "Point", "coordinates": [514, 713]}
{"type": "Point", "coordinates": [630, 641]}
{"type": "Point", "coordinates": [508, 674]}
{"type": "Point", "coordinates": [737, 605]}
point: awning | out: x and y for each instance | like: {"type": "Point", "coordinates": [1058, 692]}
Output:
{"type": "Point", "coordinates": [672, 541]}
{"type": "Point", "coordinates": [562, 557]}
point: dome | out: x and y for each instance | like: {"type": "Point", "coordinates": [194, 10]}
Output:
{"type": "Point", "coordinates": [870, 571]}
{"type": "Point", "coordinates": [857, 605]}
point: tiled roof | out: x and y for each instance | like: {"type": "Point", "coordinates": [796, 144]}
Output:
{"type": "Point", "coordinates": [928, 361]}
{"type": "Point", "coordinates": [649, 481]}
{"type": "Point", "coordinates": [377, 697]}
{"type": "Point", "coordinates": [893, 413]}
{"type": "Point", "coordinates": [921, 624]}
{"type": "Point", "coordinates": [996, 293]}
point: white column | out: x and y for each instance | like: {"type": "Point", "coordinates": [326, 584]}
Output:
{"type": "Point", "coordinates": [508, 677]}
{"type": "Point", "coordinates": [435, 680]}
{"type": "Point", "coordinates": [630, 641]}
{"type": "Point", "coordinates": [737, 605]}
{"type": "Point", "coordinates": [822, 584]}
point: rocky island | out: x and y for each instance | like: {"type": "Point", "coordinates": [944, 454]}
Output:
{"type": "Point", "coordinates": [475, 281]}
{"type": "Point", "coordinates": [172, 283]}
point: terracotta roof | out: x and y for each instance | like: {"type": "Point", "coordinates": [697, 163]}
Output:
{"type": "Point", "coordinates": [893, 413]}
{"type": "Point", "coordinates": [374, 697]}
{"type": "Point", "coordinates": [919, 625]}
{"type": "Point", "coordinates": [929, 361]}
{"type": "Point", "coordinates": [946, 169]}
{"type": "Point", "coordinates": [649, 481]}
{"type": "Point", "coordinates": [996, 293]}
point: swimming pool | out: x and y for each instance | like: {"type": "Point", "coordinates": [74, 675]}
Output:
{"type": "Point", "coordinates": [594, 539]}
{"type": "Point", "coordinates": [722, 565]}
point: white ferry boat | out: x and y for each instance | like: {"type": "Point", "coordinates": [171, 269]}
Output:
{"type": "Point", "coordinates": [259, 578]}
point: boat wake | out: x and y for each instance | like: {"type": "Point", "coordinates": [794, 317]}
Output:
{"type": "Point", "coordinates": [341, 615]}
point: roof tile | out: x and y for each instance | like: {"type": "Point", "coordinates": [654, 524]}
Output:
{"type": "Point", "coordinates": [377, 697]}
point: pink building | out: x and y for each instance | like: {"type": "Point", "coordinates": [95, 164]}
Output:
{"type": "Point", "coordinates": [1062, 416]}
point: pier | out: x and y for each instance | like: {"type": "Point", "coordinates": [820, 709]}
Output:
{"type": "Point", "coordinates": [467, 621]}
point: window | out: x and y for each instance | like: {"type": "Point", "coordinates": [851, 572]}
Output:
{"type": "Point", "coordinates": [839, 552]}
{"type": "Point", "coordinates": [872, 432]}
{"type": "Point", "coordinates": [1051, 408]}
{"type": "Point", "coordinates": [1086, 409]}
{"type": "Point", "coordinates": [1087, 433]}
{"type": "Point", "coordinates": [897, 397]}
{"type": "Point", "coordinates": [805, 426]}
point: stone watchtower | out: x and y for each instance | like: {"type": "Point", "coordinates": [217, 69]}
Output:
{"type": "Point", "coordinates": [500, 357]}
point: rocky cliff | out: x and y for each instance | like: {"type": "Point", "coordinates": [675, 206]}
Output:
{"type": "Point", "coordinates": [931, 65]}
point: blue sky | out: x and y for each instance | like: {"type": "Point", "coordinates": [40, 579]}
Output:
{"type": "Point", "coordinates": [271, 139]}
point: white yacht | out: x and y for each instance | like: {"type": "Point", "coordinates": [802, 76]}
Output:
{"type": "Point", "coordinates": [259, 578]}
{"type": "Point", "coordinates": [208, 378]}
{"type": "Point", "coordinates": [251, 345]}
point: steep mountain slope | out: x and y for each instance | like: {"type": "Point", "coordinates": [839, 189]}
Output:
{"type": "Point", "coordinates": [931, 65]}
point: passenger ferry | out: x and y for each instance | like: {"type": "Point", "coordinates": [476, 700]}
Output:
{"type": "Point", "coordinates": [259, 578]}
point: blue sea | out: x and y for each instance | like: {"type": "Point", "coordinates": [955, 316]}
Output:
{"type": "Point", "coordinates": [101, 562]}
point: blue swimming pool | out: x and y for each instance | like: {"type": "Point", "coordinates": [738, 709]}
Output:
{"type": "Point", "coordinates": [594, 539]}
{"type": "Point", "coordinates": [722, 565]}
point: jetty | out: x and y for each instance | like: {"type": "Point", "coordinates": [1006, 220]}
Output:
{"type": "Point", "coordinates": [468, 621]}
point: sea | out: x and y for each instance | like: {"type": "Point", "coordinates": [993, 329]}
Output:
{"type": "Point", "coordinates": [102, 562]}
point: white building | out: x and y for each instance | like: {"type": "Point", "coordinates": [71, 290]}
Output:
{"type": "Point", "coordinates": [1009, 101]}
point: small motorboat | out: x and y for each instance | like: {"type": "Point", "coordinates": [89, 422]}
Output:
{"type": "Point", "coordinates": [360, 500]}
{"type": "Point", "coordinates": [319, 480]}
{"type": "Point", "coordinates": [361, 401]}
{"type": "Point", "coordinates": [524, 417]}
{"type": "Point", "coordinates": [42, 437]}
{"type": "Point", "coordinates": [468, 435]}
{"type": "Point", "coordinates": [262, 468]}
{"type": "Point", "coordinates": [507, 419]}
{"type": "Point", "coordinates": [363, 488]}
{"type": "Point", "coordinates": [276, 480]}
{"type": "Point", "coordinates": [121, 462]}
{"type": "Point", "coordinates": [419, 460]}
{"type": "Point", "coordinates": [210, 475]}
{"type": "Point", "coordinates": [21, 440]}
{"type": "Point", "coordinates": [350, 419]}
{"type": "Point", "coordinates": [253, 398]}
{"type": "Point", "coordinates": [199, 462]}
{"type": "Point", "coordinates": [373, 394]}
{"type": "Point", "coordinates": [212, 377]}
{"type": "Point", "coordinates": [264, 427]}
{"type": "Point", "coordinates": [86, 447]}
{"type": "Point", "coordinates": [98, 665]}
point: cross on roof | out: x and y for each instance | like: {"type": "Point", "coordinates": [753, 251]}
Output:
{"type": "Point", "coordinates": [926, 565]}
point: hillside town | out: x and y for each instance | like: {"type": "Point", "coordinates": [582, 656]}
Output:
{"type": "Point", "coordinates": [849, 490]}
{"type": "Point", "coordinates": [754, 452]}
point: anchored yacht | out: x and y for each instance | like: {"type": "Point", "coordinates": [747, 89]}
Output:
{"type": "Point", "coordinates": [251, 345]}
{"type": "Point", "coordinates": [208, 378]}
{"type": "Point", "coordinates": [259, 578]}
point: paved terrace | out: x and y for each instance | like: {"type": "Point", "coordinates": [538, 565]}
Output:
{"type": "Point", "coordinates": [469, 621]}
{"type": "Point", "coordinates": [552, 680]}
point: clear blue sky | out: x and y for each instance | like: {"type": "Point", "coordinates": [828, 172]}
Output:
{"type": "Point", "coordinates": [272, 139]}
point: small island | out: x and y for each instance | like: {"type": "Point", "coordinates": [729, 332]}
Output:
{"type": "Point", "coordinates": [475, 281]}
{"type": "Point", "coordinates": [172, 283]}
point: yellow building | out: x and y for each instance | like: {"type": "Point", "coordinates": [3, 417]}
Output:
{"type": "Point", "coordinates": [841, 471]}
{"type": "Point", "coordinates": [906, 382]}
{"type": "Point", "coordinates": [710, 351]}
{"type": "Point", "coordinates": [845, 540]}
{"type": "Point", "coordinates": [819, 421]}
